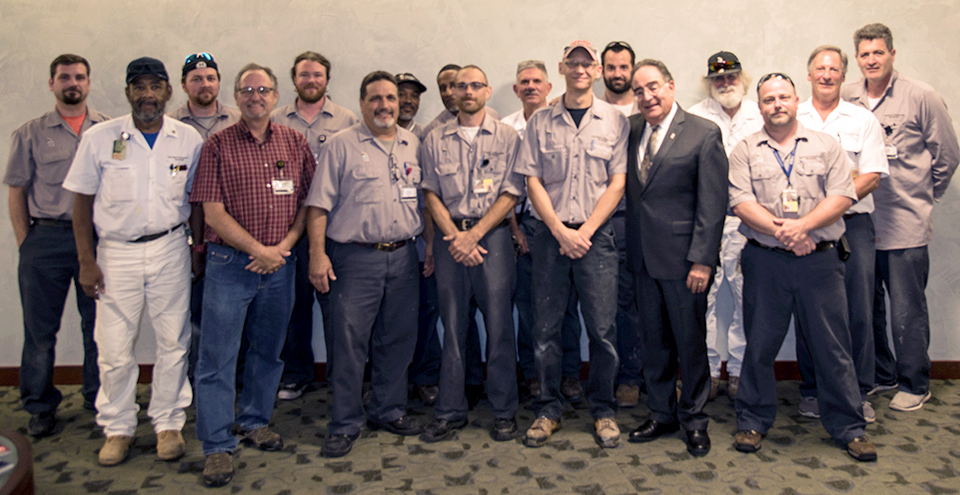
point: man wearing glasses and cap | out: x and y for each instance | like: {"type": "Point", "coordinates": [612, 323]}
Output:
{"type": "Point", "coordinates": [132, 177]}
{"type": "Point", "coordinates": [574, 157]}
{"type": "Point", "coordinates": [250, 234]}
{"type": "Point", "coordinates": [726, 84]}
{"type": "Point", "coordinates": [41, 212]}
{"type": "Point", "coordinates": [318, 118]}
{"type": "Point", "coordinates": [790, 186]}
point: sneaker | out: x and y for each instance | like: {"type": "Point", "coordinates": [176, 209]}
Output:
{"type": "Point", "coordinates": [809, 408]}
{"type": "Point", "coordinates": [115, 450]}
{"type": "Point", "coordinates": [732, 386]}
{"type": "Point", "coordinates": [607, 432]}
{"type": "Point", "coordinates": [714, 388]}
{"type": "Point", "coordinates": [882, 387]}
{"type": "Point", "coordinates": [628, 395]}
{"type": "Point", "coordinates": [868, 413]}
{"type": "Point", "coordinates": [540, 431]}
{"type": "Point", "coordinates": [170, 445]}
{"type": "Point", "coordinates": [441, 429]}
{"type": "Point", "coordinates": [218, 469]}
{"type": "Point", "coordinates": [504, 430]}
{"type": "Point", "coordinates": [862, 449]}
{"type": "Point", "coordinates": [906, 402]}
{"type": "Point", "coordinates": [571, 388]}
{"type": "Point", "coordinates": [290, 391]}
{"type": "Point", "coordinates": [262, 438]}
{"type": "Point", "coordinates": [42, 425]}
{"type": "Point", "coordinates": [747, 441]}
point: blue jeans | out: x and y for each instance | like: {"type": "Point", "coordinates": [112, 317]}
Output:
{"type": "Point", "coordinates": [859, 280]}
{"type": "Point", "coordinates": [628, 315]}
{"type": "Point", "coordinates": [48, 261]}
{"type": "Point", "coordinates": [297, 352]}
{"type": "Point", "coordinates": [523, 298]}
{"type": "Point", "coordinates": [594, 276]}
{"type": "Point", "coordinates": [903, 273]}
{"type": "Point", "coordinates": [425, 369]}
{"type": "Point", "coordinates": [232, 297]}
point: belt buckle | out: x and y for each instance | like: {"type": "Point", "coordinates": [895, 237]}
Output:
{"type": "Point", "coordinates": [463, 224]}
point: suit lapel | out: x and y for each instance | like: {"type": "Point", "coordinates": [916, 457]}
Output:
{"type": "Point", "coordinates": [636, 133]}
{"type": "Point", "coordinates": [676, 127]}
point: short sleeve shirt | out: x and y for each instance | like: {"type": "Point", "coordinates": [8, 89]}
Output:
{"type": "Point", "coordinates": [469, 177]}
{"type": "Point", "coordinates": [820, 170]}
{"type": "Point", "coordinates": [858, 132]}
{"type": "Point", "coordinates": [366, 190]}
{"type": "Point", "coordinates": [745, 122]}
{"type": "Point", "coordinates": [225, 117]}
{"type": "Point", "coordinates": [242, 173]}
{"type": "Point", "coordinates": [140, 191]}
{"type": "Point", "coordinates": [332, 119]}
{"type": "Point", "coordinates": [40, 157]}
{"type": "Point", "coordinates": [575, 164]}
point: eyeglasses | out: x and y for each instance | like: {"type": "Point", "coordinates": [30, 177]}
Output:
{"type": "Point", "coordinates": [723, 65]}
{"type": "Point", "coordinates": [774, 75]}
{"type": "Point", "coordinates": [573, 64]}
{"type": "Point", "coordinates": [193, 57]}
{"type": "Point", "coordinates": [249, 90]}
{"type": "Point", "coordinates": [653, 89]}
{"type": "Point", "coordinates": [476, 86]}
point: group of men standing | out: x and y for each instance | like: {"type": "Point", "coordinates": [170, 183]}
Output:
{"type": "Point", "coordinates": [616, 205]}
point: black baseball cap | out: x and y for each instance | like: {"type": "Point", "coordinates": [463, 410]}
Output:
{"type": "Point", "coordinates": [146, 66]}
{"type": "Point", "coordinates": [199, 61]}
{"type": "Point", "coordinates": [722, 63]}
{"type": "Point", "coordinates": [406, 77]}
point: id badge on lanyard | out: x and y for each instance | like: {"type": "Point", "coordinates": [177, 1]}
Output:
{"type": "Point", "coordinates": [788, 197]}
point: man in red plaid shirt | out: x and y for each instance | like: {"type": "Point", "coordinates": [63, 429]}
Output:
{"type": "Point", "coordinates": [252, 180]}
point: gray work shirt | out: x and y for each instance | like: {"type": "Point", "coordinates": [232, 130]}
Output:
{"type": "Point", "coordinates": [416, 128]}
{"type": "Point", "coordinates": [575, 164]}
{"type": "Point", "coordinates": [331, 119]}
{"type": "Point", "coordinates": [915, 121]}
{"type": "Point", "coordinates": [366, 189]}
{"type": "Point", "coordinates": [469, 177]}
{"type": "Point", "coordinates": [225, 117]}
{"type": "Point", "coordinates": [820, 169]}
{"type": "Point", "coordinates": [447, 116]}
{"type": "Point", "coordinates": [40, 158]}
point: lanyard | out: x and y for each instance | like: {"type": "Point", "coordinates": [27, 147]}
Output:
{"type": "Point", "coordinates": [792, 157]}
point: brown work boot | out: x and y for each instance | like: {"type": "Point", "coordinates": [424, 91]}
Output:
{"type": "Point", "coordinates": [862, 449]}
{"type": "Point", "coordinates": [714, 388]}
{"type": "Point", "coordinates": [262, 438]}
{"type": "Point", "coordinates": [571, 388]}
{"type": "Point", "coordinates": [533, 387]}
{"type": "Point", "coordinates": [747, 441]}
{"type": "Point", "coordinates": [540, 431]}
{"type": "Point", "coordinates": [170, 445]}
{"type": "Point", "coordinates": [628, 395]}
{"type": "Point", "coordinates": [218, 469]}
{"type": "Point", "coordinates": [115, 450]}
{"type": "Point", "coordinates": [608, 433]}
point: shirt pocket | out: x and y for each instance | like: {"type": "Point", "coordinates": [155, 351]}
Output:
{"type": "Point", "coordinates": [53, 165]}
{"type": "Point", "coordinates": [119, 183]}
{"type": "Point", "coordinates": [177, 189]}
{"type": "Point", "coordinates": [367, 187]}
{"type": "Point", "coordinates": [555, 163]}
{"type": "Point", "coordinates": [811, 174]}
{"type": "Point", "coordinates": [450, 184]}
{"type": "Point", "coordinates": [765, 181]}
{"type": "Point", "coordinates": [599, 158]}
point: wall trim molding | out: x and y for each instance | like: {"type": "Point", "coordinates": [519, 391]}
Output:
{"type": "Point", "coordinates": [785, 370]}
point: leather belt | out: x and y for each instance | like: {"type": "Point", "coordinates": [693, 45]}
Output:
{"type": "Point", "coordinates": [821, 247]}
{"type": "Point", "coordinates": [383, 246]}
{"type": "Point", "coordinates": [573, 226]}
{"type": "Point", "coordinates": [51, 222]}
{"type": "Point", "coordinates": [153, 237]}
{"type": "Point", "coordinates": [465, 224]}
{"type": "Point", "coordinates": [848, 216]}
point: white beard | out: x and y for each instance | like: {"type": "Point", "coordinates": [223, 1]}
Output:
{"type": "Point", "coordinates": [729, 98]}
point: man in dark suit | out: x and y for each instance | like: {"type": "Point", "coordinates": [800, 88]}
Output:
{"type": "Point", "coordinates": [676, 200]}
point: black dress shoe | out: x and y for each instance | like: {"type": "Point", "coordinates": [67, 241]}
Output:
{"type": "Point", "coordinates": [504, 430]}
{"type": "Point", "coordinates": [441, 429]}
{"type": "Point", "coordinates": [428, 394]}
{"type": "Point", "coordinates": [652, 430]}
{"type": "Point", "coordinates": [698, 443]}
{"type": "Point", "coordinates": [474, 394]}
{"type": "Point", "coordinates": [338, 445]}
{"type": "Point", "coordinates": [404, 425]}
{"type": "Point", "coordinates": [42, 425]}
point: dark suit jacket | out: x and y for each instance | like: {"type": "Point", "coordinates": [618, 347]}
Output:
{"type": "Point", "coordinates": [676, 218]}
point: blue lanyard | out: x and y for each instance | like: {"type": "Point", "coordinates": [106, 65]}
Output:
{"type": "Point", "coordinates": [792, 157]}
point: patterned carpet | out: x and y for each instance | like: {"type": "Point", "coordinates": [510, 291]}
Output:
{"type": "Point", "coordinates": [919, 452]}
